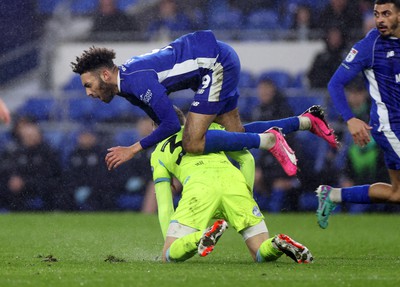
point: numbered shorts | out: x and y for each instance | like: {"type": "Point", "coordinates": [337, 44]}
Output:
{"type": "Point", "coordinates": [217, 193]}
{"type": "Point", "coordinates": [218, 92]}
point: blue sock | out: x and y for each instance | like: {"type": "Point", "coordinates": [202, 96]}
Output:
{"type": "Point", "coordinates": [218, 140]}
{"type": "Point", "coordinates": [287, 125]}
{"type": "Point", "coordinates": [356, 194]}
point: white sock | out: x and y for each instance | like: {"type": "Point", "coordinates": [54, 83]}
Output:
{"type": "Point", "coordinates": [336, 195]}
{"type": "Point", "coordinates": [305, 123]}
{"type": "Point", "coordinates": [267, 140]}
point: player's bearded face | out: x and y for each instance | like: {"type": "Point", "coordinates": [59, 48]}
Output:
{"type": "Point", "coordinates": [106, 91]}
{"type": "Point", "coordinates": [96, 87]}
{"type": "Point", "coordinates": [387, 19]}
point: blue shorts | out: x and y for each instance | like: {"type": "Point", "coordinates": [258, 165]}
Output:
{"type": "Point", "coordinates": [218, 93]}
{"type": "Point", "coordinates": [390, 144]}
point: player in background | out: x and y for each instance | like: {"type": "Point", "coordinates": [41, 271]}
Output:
{"type": "Point", "coordinates": [377, 56]}
{"type": "Point", "coordinates": [4, 113]}
{"type": "Point", "coordinates": [212, 188]}
{"type": "Point", "coordinates": [194, 61]}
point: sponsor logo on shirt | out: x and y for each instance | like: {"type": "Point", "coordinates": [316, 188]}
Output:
{"type": "Point", "coordinates": [195, 104]}
{"type": "Point", "coordinates": [146, 97]}
{"type": "Point", "coordinates": [397, 77]}
{"type": "Point", "coordinates": [390, 54]}
{"type": "Point", "coordinates": [256, 211]}
{"type": "Point", "coordinates": [352, 54]}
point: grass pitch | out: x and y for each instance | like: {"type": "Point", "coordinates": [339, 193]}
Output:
{"type": "Point", "coordinates": [123, 249]}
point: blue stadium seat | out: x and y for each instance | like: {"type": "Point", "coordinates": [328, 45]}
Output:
{"type": "Point", "coordinates": [302, 102]}
{"type": "Point", "coordinates": [263, 19]}
{"type": "Point", "coordinates": [126, 137]}
{"type": "Point", "coordinates": [308, 201]}
{"type": "Point", "coordinates": [281, 78]}
{"type": "Point", "coordinates": [299, 80]}
{"type": "Point", "coordinates": [54, 138]}
{"type": "Point", "coordinates": [229, 19]}
{"type": "Point", "coordinates": [317, 5]}
{"type": "Point", "coordinates": [74, 84]}
{"type": "Point", "coordinates": [5, 138]}
{"type": "Point", "coordinates": [125, 4]}
{"type": "Point", "coordinates": [246, 79]}
{"type": "Point", "coordinates": [246, 105]}
{"type": "Point", "coordinates": [47, 6]}
{"type": "Point", "coordinates": [40, 109]}
{"type": "Point", "coordinates": [81, 109]}
{"type": "Point", "coordinates": [130, 202]}
{"type": "Point", "coordinates": [84, 6]}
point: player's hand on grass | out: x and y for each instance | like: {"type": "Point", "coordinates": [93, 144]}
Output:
{"type": "Point", "coordinates": [359, 131]}
{"type": "Point", "coordinates": [120, 154]}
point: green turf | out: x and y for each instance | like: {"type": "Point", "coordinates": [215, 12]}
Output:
{"type": "Point", "coordinates": [57, 249]}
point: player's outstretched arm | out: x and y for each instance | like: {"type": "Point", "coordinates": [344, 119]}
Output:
{"type": "Point", "coordinates": [165, 205]}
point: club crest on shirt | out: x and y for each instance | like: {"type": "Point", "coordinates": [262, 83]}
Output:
{"type": "Point", "coordinates": [352, 54]}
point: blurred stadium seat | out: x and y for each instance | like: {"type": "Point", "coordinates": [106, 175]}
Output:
{"type": "Point", "coordinates": [246, 79]}
{"type": "Point", "coordinates": [263, 19]}
{"type": "Point", "coordinates": [81, 109]}
{"type": "Point", "coordinates": [300, 103]}
{"type": "Point", "coordinates": [41, 109]}
{"type": "Point", "coordinates": [246, 105]}
{"type": "Point", "coordinates": [299, 80]}
{"type": "Point", "coordinates": [5, 138]}
{"type": "Point", "coordinates": [84, 6]}
{"type": "Point", "coordinates": [281, 78]}
{"type": "Point", "coordinates": [126, 4]}
{"type": "Point", "coordinates": [231, 19]}
{"type": "Point", "coordinates": [74, 84]}
{"type": "Point", "coordinates": [126, 137]}
{"type": "Point", "coordinates": [55, 138]}
{"type": "Point", "coordinates": [47, 6]}
{"type": "Point", "coordinates": [130, 202]}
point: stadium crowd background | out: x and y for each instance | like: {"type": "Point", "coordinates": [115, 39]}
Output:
{"type": "Point", "coordinates": [52, 155]}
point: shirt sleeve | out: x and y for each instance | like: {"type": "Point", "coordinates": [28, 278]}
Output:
{"type": "Point", "coordinates": [162, 180]}
{"type": "Point", "coordinates": [168, 121]}
{"type": "Point", "coordinates": [165, 205]}
{"type": "Point", "coordinates": [156, 103]}
{"type": "Point", "coordinates": [358, 59]}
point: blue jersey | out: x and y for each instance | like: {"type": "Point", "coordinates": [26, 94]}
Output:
{"type": "Point", "coordinates": [378, 58]}
{"type": "Point", "coordinates": [190, 62]}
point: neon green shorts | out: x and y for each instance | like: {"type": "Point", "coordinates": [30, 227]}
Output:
{"type": "Point", "coordinates": [217, 192]}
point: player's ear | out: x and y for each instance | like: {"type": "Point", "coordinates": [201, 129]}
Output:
{"type": "Point", "coordinates": [105, 75]}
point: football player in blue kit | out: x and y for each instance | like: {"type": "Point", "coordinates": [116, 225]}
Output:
{"type": "Point", "coordinates": [377, 56]}
{"type": "Point", "coordinates": [209, 67]}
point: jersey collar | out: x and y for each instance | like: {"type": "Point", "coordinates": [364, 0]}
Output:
{"type": "Point", "coordinates": [119, 82]}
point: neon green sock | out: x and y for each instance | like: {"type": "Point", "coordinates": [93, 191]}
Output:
{"type": "Point", "coordinates": [185, 247]}
{"type": "Point", "coordinates": [267, 251]}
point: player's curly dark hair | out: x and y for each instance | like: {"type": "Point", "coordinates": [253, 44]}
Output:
{"type": "Point", "coordinates": [93, 59]}
{"type": "Point", "coordinates": [395, 2]}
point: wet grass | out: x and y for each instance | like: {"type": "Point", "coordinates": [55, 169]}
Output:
{"type": "Point", "coordinates": [123, 249]}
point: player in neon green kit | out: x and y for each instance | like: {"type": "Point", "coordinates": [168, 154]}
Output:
{"type": "Point", "coordinates": [212, 188]}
